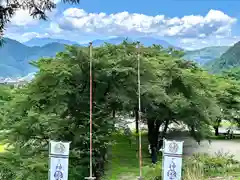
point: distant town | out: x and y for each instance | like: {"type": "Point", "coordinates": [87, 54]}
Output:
{"type": "Point", "coordinates": [18, 81]}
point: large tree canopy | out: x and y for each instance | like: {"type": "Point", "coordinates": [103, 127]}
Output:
{"type": "Point", "coordinates": [55, 105]}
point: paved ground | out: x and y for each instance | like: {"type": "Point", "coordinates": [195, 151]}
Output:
{"type": "Point", "coordinates": [232, 147]}
{"type": "Point", "coordinates": [190, 146]}
{"type": "Point", "coordinates": [234, 129]}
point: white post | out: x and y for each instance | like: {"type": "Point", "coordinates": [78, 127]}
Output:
{"type": "Point", "coordinates": [172, 160]}
{"type": "Point", "coordinates": [59, 155]}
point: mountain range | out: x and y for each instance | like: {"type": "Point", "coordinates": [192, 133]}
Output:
{"type": "Point", "coordinates": [44, 41]}
{"type": "Point", "coordinates": [147, 41]}
{"type": "Point", "coordinates": [229, 59]}
{"type": "Point", "coordinates": [15, 56]}
{"type": "Point", "coordinates": [205, 55]}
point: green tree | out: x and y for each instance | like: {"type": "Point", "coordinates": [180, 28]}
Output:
{"type": "Point", "coordinates": [55, 105]}
{"type": "Point", "coordinates": [174, 90]}
{"type": "Point", "coordinates": [227, 91]}
{"type": "Point", "coordinates": [233, 73]}
{"type": "Point", "coordinates": [180, 94]}
{"type": "Point", "coordinates": [5, 93]}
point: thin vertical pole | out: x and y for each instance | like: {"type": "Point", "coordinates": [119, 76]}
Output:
{"type": "Point", "coordinates": [90, 56]}
{"type": "Point", "coordinates": [90, 75]}
{"type": "Point", "coordinates": [139, 114]}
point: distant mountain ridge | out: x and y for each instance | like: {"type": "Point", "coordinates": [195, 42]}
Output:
{"type": "Point", "coordinates": [147, 41]}
{"type": "Point", "coordinates": [15, 56]}
{"type": "Point", "coordinates": [44, 41]}
{"type": "Point", "coordinates": [229, 59]}
{"type": "Point", "coordinates": [205, 55]}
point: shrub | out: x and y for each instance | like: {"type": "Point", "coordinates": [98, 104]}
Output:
{"type": "Point", "coordinates": [211, 165]}
{"type": "Point", "coordinates": [153, 172]}
{"type": "Point", "coordinates": [198, 166]}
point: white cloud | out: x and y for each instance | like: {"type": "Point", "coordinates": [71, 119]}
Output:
{"type": "Point", "coordinates": [74, 12]}
{"type": "Point", "coordinates": [187, 41]}
{"type": "Point", "coordinates": [197, 43]}
{"type": "Point", "coordinates": [22, 18]}
{"type": "Point", "coordinates": [54, 28]}
{"type": "Point", "coordinates": [23, 37]}
{"type": "Point", "coordinates": [193, 26]}
{"type": "Point", "coordinates": [190, 31]}
{"type": "Point", "coordinates": [29, 35]}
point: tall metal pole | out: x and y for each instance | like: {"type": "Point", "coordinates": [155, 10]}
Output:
{"type": "Point", "coordinates": [90, 75]}
{"type": "Point", "coordinates": [139, 114]}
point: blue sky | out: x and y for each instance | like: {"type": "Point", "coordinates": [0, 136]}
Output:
{"type": "Point", "coordinates": [190, 24]}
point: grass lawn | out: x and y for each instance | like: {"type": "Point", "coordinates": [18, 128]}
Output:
{"type": "Point", "coordinates": [123, 161]}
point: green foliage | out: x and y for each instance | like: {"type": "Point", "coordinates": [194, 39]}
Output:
{"type": "Point", "coordinates": [5, 93]}
{"type": "Point", "coordinates": [227, 60]}
{"type": "Point", "coordinates": [55, 105]}
{"type": "Point", "coordinates": [199, 167]}
{"type": "Point", "coordinates": [182, 95]}
{"type": "Point", "coordinates": [153, 172]}
{"type": "Point", "coordinates": [219, 164]}
{"type": "Point", "coordinates": [227, 90]}
{"type": "Point", "coordinates": [233, 74]}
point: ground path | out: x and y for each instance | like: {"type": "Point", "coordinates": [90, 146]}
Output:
{"type": "Point", "coordinates": [191, 146]}
{"type": "Point", "coordinates": [232, 147]}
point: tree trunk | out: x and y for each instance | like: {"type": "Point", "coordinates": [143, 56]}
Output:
{"type": "Point", "coordinates": [150, 124]}
{"type": "Point", "coordinates": [114, 113]}
{"type": "Point", "coordinates": [163, 135]}
{"type": "Point", "coordinates": [154, 154]}
{"type": "Point", "coordinates": [216, 130]}
{"type": "Point", "coordinates": [158, 124]}
{"type": "Point", "coordinates": [153, 132]}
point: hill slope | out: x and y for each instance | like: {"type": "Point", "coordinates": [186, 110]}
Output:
{"type": "Point", "coordinates": [204, 55]}
{"type": "Point", "coordinates": [146, 41]}
{"type": "Point", "coordinates": [44, 41]}
{"type": "Point", "coordinates": [15, 57]}
{"type": "Point", "coordinates": [229, 59]}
